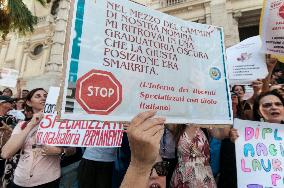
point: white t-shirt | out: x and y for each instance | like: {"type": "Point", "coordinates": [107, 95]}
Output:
{"type": "Point", "coordinates": [19, 115]}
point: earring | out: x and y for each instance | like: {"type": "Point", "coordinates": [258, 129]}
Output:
{"type": "Point", "coordinates": [262, 119]}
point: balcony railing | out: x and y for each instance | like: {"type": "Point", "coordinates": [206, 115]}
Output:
{"type": "Point", "coordinates": [41, 19]}
{"type": "Point", "coordinates": [166, 3]}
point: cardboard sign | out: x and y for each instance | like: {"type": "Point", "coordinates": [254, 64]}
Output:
{"type": "Point", "coordinates": [125, 58]}
{"type": "Point", "coordinates": [8, 77]}
{"type": "Point", "coordinates": [55, 132]}
{"type": "Point", "coordinates": [273, 27]}
{"type": "Point", "coordinates": [259, 154]}
{"type": "Point", "coordinates": [246, 62]}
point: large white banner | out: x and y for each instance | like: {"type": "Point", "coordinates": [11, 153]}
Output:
{"type": "Point", "coordinates": [8, 77]}
{"type": "Point", "coordinates": [125, 58]}
{"type": "Point", "coordinates": [273, 27]}
{"type": "Point", "coordinates": [246, 62]}
{"type": "Point", "coordinates": [259, 154]}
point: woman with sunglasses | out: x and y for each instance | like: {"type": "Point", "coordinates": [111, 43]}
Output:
{"type": "Point", "coordinates": [38, 166]}
{"type": "Point", "coordinates": [158, 174]}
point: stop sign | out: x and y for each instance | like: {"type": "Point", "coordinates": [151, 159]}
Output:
{"type": "Point", "coordinates": [281, 11]}
{"type": "Point", "coordinates": [98, 92]}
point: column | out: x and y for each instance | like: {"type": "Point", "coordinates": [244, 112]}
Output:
{"type": "Point", "coordinates": [56, 56]}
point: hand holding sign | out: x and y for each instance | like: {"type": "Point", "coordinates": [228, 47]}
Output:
{"type": "Point", "coordinates": [36, 119]}
{"type": "Point", "coordinates": [270, 62]}
{"type": "Point", "coordinates": [233, 134]}
{"type": "Point", "coordinates": [51, 150]}
{"type": "Point", "coordinates": [145, 132]}
{"type": "Point", "coordinates": [257, 86]}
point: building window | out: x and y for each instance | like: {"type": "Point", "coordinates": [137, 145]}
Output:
{"type": "Point", "coordinates": [37, 50]}
{"type": "Point", "coordinates": [174, 2]}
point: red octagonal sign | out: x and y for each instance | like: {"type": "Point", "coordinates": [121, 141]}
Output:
{"type": "Point", "coordinates": [281, 11]}
{"type": "Point", "coordinates": [98, 92]}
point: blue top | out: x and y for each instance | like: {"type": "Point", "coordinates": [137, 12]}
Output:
{"type": "Point", "coordinates": [100, 154]}
{"type": "Point", "coordinates": [168, 146]}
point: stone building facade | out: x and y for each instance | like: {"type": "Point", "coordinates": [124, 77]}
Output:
{"type": "Point", "coordinates": [239, 18]}
{"type": "Point", "coordinates": [39, 56]}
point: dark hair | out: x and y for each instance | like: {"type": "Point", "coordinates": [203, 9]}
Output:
{"type": "Point", "coordinates": [18, 99]}
{"type": "Point", "coordinates": [178, 132]}
{"type": "Point", "coordinates": [23, 99]}
{"type": "Point", "coordinates": [9, 90]}
{"type": "Point", "coordinates": [240, 106]}
{"type": "Point", "coordinates": [243, 87]}
{"type": "Point", "coordinates": [256, 115]}
{"type": "Point", "coordinates": [180, 129]}
{"type": "Point", "coordinates": [29, 97]}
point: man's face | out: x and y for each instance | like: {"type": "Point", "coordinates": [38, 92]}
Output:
{"type": "Point", "coordinates": [7, 93]}
{"type": "Point", "coordinates": [6, 107]}
{"type": "Point", "coordinates": [24, 93]}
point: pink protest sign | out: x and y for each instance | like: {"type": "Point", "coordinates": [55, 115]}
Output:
{"type": "Point", "coordinates": [259, 154]}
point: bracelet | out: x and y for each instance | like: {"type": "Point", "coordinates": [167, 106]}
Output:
{"type": "Point", "coordinates": [63, 153]}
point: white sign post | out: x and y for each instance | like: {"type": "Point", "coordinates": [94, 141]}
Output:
{"type": "Point", "coordinates": [273, 27]}
{"type": "Point", "coordinates": [8, 77]}
{"type": "Point", "coordinates": [259, 154]}
{"type": "Point", "coordinates": [125, 58]}
{"type": "Point", "coordinates": [246, 62]}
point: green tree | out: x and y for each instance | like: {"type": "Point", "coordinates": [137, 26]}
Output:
{"type": "Point", "coordinates": [16, 17]}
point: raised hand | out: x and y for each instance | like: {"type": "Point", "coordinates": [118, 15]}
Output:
{"type": "Point", "coordinates": [144, 134]}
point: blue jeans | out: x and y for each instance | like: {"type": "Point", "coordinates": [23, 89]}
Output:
{"type": "Point", "coordinates": [69, 176]}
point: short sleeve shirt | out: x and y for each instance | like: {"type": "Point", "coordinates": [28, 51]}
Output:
{"type": "Point", "coordinates": [33, 168]}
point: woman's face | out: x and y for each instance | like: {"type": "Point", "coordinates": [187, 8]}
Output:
{"type": "Point", "coordinates": [156, 181]}
{"type": "Point", "coordinates": [271, 109]}
{"type": "Point", "coordinates": [19, 104]}
{"type": "Point", "coordinates": [239, 91]}
{"type": "Point", "coordinates": [37, 101]}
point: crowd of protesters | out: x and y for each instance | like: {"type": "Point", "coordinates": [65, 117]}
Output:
{"type": "Point", "coordinates": [152, 154]}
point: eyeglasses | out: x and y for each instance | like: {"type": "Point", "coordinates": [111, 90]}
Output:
{"type": "Point", "coordinates": [162, 168]}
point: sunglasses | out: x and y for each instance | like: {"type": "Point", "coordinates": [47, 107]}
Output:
{"type": "Point", "coordinates": [162, 168]}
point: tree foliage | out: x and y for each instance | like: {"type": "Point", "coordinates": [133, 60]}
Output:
{"type": "Point", "coordinates": [16, 17]}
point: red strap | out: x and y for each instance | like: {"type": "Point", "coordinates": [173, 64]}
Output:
{"type": "Point", "coordinates": [24, 125]}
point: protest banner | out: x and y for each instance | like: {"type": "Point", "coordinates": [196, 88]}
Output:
{"type": "Point", "coordinates": [51, 100]}
{"type": "Point", "coordinates": [272, 27]}
{"type": "Point", "coordinates": [8, 77]}
{"type": "Point", "coordinates": [124, 58]}
{"type": "Point", "coordinates": [246, 62]}
{"type": "Point", "coordinates": [259, 154]}
{"type": "Point", "coordinates": [55, 132]}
